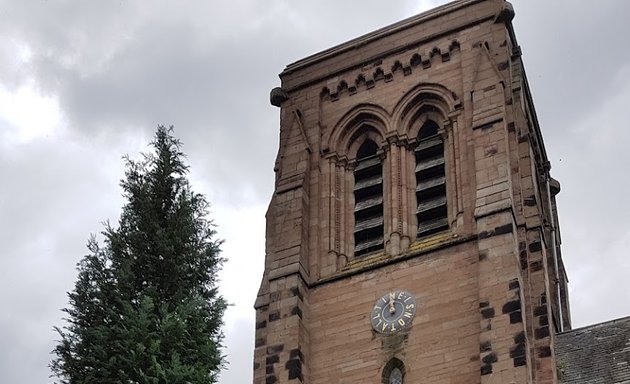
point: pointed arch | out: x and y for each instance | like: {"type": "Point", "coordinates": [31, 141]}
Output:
{"type": "Point", "coordinates": [379, 74]}
{"type": "Point", "coordinates": [426, 99]}
{"type": "Point", "coordinates": [394, 372]}
{"type": "Point", "coordinates": [397, 66]}
{"type": "Point", "coordinates": [423, 115]}
{"type": "Point", "coordinates": [368, 148]}
{"type": "Point", "coordinates": [343, 85]}
{"type": "Point", "coordinates": [416, 60]}
{"type": "Point", "coordinates": [365, 121]}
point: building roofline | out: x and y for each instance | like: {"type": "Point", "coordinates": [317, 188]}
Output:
{"type": "Point", "coordinates": [379, 33]}
{"type": "Point", "coordinates": [596, 325]}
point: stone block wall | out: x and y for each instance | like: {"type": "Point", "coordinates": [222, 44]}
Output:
{"type": "Point", "coordinates": [485, 286]}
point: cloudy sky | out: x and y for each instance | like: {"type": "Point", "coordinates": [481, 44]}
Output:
{"type": "Point", "coordinates": [84, 82]}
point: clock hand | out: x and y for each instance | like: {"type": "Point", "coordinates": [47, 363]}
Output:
{"type": "Point", "coordinates": [392, 308]}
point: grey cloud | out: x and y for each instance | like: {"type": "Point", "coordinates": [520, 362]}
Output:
{"type": "Point", "coordinates": [206, 69]}
{"type": "Point", "coordinates": [574, 56]}
{"type": "Point", "coordinates": [55, 195]}
{"type": "Point", "coordinates": [117, 70]}
{"type": "Point", "coordinates": [579, 78]}
{"type": "Point", "coordinates": [240, 352]}
{"type": "Point", "coordinates": [120, 68]}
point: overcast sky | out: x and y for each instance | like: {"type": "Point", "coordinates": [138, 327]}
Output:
{"type": "Point", "coordinates": [84, 82]}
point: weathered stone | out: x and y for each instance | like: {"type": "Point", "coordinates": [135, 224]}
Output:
{"type": "Point", "coordinates": [459, 209]}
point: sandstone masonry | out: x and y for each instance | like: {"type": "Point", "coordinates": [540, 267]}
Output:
{"type": "Point", "coordinates": [491, 287]}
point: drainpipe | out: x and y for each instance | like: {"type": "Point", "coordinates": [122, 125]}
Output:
{"type": "Point", "coordinates": [554, 246]}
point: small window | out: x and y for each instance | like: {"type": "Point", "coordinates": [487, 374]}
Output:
{"type": "Point", "coordinates": [394, 372]}
{"type": "Point", "coordinates": [431, 209]}
{"type": "Point", "coordinates": [368, 200]}
{"type": "Point", "coordinates": [395, 376]}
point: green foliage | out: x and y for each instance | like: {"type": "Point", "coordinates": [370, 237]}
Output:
{"type": "Point", "coordinates": [145, 307]}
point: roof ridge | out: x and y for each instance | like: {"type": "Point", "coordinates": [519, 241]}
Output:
{"type": "Point", "coordinates": [597, 325]}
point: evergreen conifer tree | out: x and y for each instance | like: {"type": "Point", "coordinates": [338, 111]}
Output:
{"type": "Point", "coordinates": [145, 307]}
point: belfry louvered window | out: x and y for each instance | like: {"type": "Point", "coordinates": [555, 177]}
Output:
{"type": "Point", "coordinates": [430, 181]}
{"type": "Point", "coordinates": [368, 200]}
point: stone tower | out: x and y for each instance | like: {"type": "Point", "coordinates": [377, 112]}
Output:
{"type": "Point", "coordinates": [411, 169]}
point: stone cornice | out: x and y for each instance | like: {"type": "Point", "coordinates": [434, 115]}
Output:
{"type": "Point", "coordinates": [379, 34]}
{"type": "Point", "coordinates": [384, 72]}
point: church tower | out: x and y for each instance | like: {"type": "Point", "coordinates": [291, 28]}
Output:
{"type": "Point", "coordinates": [412, 236]}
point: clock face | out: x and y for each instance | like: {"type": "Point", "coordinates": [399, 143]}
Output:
{"type": "Point", "coordinates": [393, 312]}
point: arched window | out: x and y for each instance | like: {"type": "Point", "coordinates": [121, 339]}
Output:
{"type": "Point", "coordinates": [368, 200]}
{"type": "Point", "coordinates": [431, 209]}
{"type": "Point", "coordinates": [395, 377]}
{"type": "Point", "coordinates": [394, 372]}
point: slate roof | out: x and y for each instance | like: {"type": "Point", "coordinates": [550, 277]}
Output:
{"type": "Point", "coordinates": [597, 354]}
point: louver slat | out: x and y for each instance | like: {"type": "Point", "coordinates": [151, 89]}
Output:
{"type": "Point", "coordinates": [369, 162]}
{"type": "Point", "coordinates": [429, 143]}
{"type": "Point", "coordinates": [368, 203]}
{"type": "Point", "coordinates": [368, 182]}
{"type": "Point", "coordinates": [368, 246]}
{"type": "Point", "coordinates": [431, 226]}
{"type": "Point", "coordinates": [428, 205]}
{"type": "Point", "coordinates": [429, 163]}
{"type": "Point", "coordinates": [369, 223]}
{"type": "Point", "coordinates": [430, 183]}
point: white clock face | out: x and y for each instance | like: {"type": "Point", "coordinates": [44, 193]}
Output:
{"type": "Point", "coordinates": [393, 312]}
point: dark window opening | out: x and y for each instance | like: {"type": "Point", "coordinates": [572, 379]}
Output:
{"type": "Point", "coordinates": [393, 372]}
{"type": "Point", "coordinates": [431, 211]}
{"type": "Point", "coordinates": [368, 200]}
